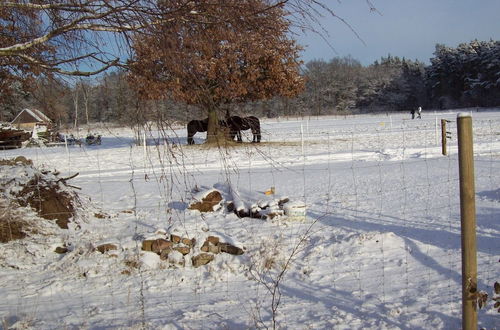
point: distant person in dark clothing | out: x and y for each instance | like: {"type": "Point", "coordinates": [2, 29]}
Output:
{"type": "Point", "coordinates": [412, 113]}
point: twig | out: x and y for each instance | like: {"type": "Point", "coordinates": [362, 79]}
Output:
{"type": "Point", "coordinates": [68, 178]}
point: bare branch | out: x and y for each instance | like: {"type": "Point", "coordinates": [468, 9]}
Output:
{"type": "Point", "coordinates": [55, 69]}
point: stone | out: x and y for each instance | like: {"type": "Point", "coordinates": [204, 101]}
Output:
{"type": "Point", "coordinates": [23, 160]}
{"type": "Point", "coordinates": [283, 201]}
{"type": "Point", "coordinates": [231, 249]}
{"type": "Point", "coordinates": [183, 249]}
{"type": "Point", "coordinates": [61, 250]}
{"type": "Point", "coordinates": [161, 244]}
{"type": "Point", "coordinates": [214, 248]}
{"type": "Point", "coordinates": [213, 239]}
{"type": "Point", "coordinates": [256, 214]}
{"type": "Point", "coordinates": [242, 213]}
{"type": "Point", "coordinates": [106, 247]}
{"type": "Point", "coordinates": [202, 259]}
{"type": "Point", "coordinates": [174, 238]}
{"type": "Point", "coordinates": [230, 207]}
{"type": "Point", "coordinates": [101, 215]}
{"type": "Point", "coordinates": [207, 203]}
{"type": "Point", "coordinates": [205, 247]}
{"type": "Point", "coordinates": [164, 254]}
{"type": "Point", "coordinates": [188, 242]}
{"type": "Point", "coordinates": [147, 245]}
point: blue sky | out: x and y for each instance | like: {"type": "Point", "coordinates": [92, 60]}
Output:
{"type": "Point", "coordinates": [404, 28]}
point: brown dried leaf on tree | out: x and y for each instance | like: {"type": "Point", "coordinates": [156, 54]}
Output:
{"type": "Point", "coordinates": [229, 51]}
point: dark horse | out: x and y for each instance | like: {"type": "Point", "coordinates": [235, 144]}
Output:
{"type": "Point", "coordinates": [237, 124]}
{"type": "Point", "coordinates": [234, 123]}
{"type": "Point", "coordinates": [195, 126]}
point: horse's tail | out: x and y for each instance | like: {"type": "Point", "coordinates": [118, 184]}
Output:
{"type": "Point", "coordinates": [191, 130]}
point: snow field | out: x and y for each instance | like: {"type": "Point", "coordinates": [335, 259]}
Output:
{"type": "Point", "coordinates": [380, 247]}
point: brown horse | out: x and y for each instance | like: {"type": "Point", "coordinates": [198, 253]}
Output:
{"type": "Point", "coordinates": [237, 124]}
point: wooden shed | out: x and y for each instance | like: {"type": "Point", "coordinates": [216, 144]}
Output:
{"type": "Point", "coordinates": [28, 119]}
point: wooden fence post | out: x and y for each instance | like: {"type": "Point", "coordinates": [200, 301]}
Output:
{"type": "Point", "coordinates": [468, 221]}
{"type": "Point", "coordinates": [443, 137]}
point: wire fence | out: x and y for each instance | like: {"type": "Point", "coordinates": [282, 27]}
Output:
{"type": "Point", "coordinates": [379, 247]}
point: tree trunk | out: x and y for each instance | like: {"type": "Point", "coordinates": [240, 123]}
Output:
{"type": "Point", "coordinates": [75, 103]}
{"type": "Point", "coordinates": [213, 125]}
{"type": "Point", "coordinates": [86, 96]}
{"type": "Point", "coordinates": [215, 133]}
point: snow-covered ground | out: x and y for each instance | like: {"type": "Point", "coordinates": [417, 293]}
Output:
{"type": "Point", "coordinates": [379, 247]}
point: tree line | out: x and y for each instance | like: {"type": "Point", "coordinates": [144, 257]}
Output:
{"type": "Point", "coordinates": [465, 76]}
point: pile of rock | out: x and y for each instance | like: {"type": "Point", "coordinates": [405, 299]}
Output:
{"type": "Point", "coordinates": [174, 248]}
{"type": "Point", "coordinates": [170, 249]}
{"type": "Point", "coordinates": [264, 209]}
{"type": "Point", "coordinates": [212, 200]}
{"type": "Point", "coordinates": [213, 245]}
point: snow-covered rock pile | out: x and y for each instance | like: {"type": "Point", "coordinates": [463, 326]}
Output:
{"type": "Point", "coordinates": [246, 204]}
{"type": "Point", "coordinates": [175, 249]}
{"type": "Point", "coordinates": [29, 195]}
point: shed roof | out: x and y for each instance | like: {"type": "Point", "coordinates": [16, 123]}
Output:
{"type": "Point", "coordinates": [37, 115]}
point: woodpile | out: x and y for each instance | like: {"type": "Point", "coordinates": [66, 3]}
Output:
{"type": "Point", "coordinates": [11, 138]}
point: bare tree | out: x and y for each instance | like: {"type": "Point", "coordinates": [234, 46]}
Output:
{"type": "Point", "coordinates": [53, 98]}
{"type": "Point", "coordinates": [52, 36]}
{"type": "Point", "coordinates": [71, 37]}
